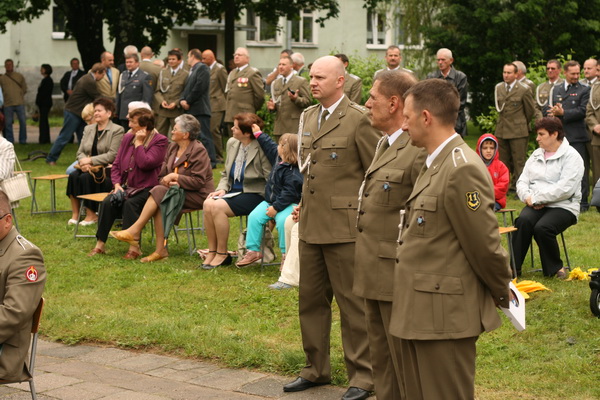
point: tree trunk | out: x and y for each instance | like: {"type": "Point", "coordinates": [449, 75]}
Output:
{"type": "Point", "coordinates": [84, 22]}
{"type": "Point", "coordinates": [230, 15]}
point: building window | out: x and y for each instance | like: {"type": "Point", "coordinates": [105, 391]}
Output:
{"type": "Point", "coordinates": [303, 28]}
{"type": "Point", "coordinates": [263, 31]}
{"type": "Point", "coordinates": [376, 29]}
{"type": "Point", "coordinates": [59, 24]}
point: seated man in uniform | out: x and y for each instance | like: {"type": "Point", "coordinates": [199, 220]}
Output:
{"type": "Point", "coordinates": [22, 279]}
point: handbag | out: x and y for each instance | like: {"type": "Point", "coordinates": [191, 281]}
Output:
{"type": "Point", "coordinates": [16, 187]}
{"type": "Point", "coordinates": [98, 172]}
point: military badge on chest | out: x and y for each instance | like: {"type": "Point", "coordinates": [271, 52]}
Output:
{"type": "Point", "coordinates": [242, 82]}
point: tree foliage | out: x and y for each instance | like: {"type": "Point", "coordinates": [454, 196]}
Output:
{"type": "Point", "coordinates": [485, 35]}
{"type": "Point", "coordinates": [21, 10]}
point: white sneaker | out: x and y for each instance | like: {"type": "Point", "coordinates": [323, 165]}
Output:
{"type": "Point", "coordinates": [72, 222]}
{"type": "Point", "coordinates": [87, 223]}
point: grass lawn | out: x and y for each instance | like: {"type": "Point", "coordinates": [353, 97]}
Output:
{"type": "Point", "coordinates": [230, 316]}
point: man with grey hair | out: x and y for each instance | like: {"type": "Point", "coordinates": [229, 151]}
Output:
{"type": "Point", "coordinates": [457, 78]}
{"type": "Point", "coordinates": [397, 163]}
{"type": "Point", "coordinates": [22, 281]}
{"type": "Point", "coordinates": [298, 63]}
{"type": "Point", "coordinates": [522, 76]}
{"type": "Point", "coordinates": [337, 147]}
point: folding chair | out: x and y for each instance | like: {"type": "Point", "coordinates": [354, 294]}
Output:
{"type": "Point", "coordinates": [34, 339]}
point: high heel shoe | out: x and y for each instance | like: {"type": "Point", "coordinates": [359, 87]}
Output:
{"type": "Point", "coordinates": [227, 261]}
{"type": "Point", "coordinates": [206, 265]}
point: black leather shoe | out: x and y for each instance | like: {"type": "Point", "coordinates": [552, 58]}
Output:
{"type": "Point", "coordinates": [354, 393]}
{"type": "Point", "coordinates": [301, 384]}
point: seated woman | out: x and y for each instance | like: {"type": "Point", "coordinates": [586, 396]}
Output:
{"type": "Point", "coordinates": [7, 162]}
{"type": "Point", "coordinates": [134, 171]}
{"type": "Point", "coordinates": [550, 186]}
{"type": "Point", "coordinates": [98, 147]}
{"type": "Point", "coordinates": [282, 193]}
{"type": "Point", "coordinates": [87, 114]}
{"type": "Point", "coordinates": [240, 190]}
{"type": "Point", "coordinates": [187, 164]}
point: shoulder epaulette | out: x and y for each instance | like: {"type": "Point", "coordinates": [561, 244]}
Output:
{"type": "Point", "coordinates": [255, 69]}
{"type": "Point", "coordinates": [354, 76]}
{"type": "Point", "coordinates": [523, 85]}
{"type": "Point", "coordinates": [358, 107]}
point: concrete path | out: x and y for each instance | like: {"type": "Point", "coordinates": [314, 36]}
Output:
{"type": "Point", "coordinates": [92, 372]}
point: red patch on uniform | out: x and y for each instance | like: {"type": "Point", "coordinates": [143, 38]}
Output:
{"type": "Point", "coordinates": [31, 274]}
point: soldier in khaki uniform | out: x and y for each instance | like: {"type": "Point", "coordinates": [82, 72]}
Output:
{"type": "Point", "coordinates": [245, 89]}
{"type": "Point", "coordinates": [149, 67]}
{"type": "Point", "coordinates": [352, 83]}
{"type": "Point", "coordinates": [218, 82]}
{"type": "Point", "coordinates": [22, 280]}
{"type": "Point", "coordinates": [387, 184]}
{"type": "Point", "coordinates": [451, 269]}
{"type": "Point", "coordinates": [286, 104]}
{"type": "Point", "coordinates": [592, 119]}
{"type": "Point", "coordinates": [170, 85]}
{"type": "Point", "coordinates": [515, 107]}
{"type": "Point", "coordinates": [337, 145]}
{"type": "Point", "coordinates": [108, 85]}
{"type": "Point", "coordinates": [542, 92]}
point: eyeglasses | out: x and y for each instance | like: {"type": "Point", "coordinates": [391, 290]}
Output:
{"type": "Point", "coordinates": [2, 217]}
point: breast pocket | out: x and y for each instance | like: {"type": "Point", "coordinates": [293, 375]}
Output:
{"type": "Point", "coordinates": [387, 188]}
{"type": "Point", "coordinates": [423, 220]}
{"type": "Point", "coordinates": [334, 152]}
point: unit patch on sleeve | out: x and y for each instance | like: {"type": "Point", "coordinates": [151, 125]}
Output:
{"type": "Point", "coordinates": [31, 274]}
{"type": "Point", "coordinates": [473, 200]}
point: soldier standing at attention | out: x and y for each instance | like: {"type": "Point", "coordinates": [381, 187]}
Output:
{"type": "Point", "coordinates": [543, 90]}
{"type": "Point", "coordinates": [451, 269]}
{"type": "Point", "coordinates": [336, 147]}
{"type": "Point", "coordinates": [515, 107]}
{"type": "Point", "coordinates": [170, 84]}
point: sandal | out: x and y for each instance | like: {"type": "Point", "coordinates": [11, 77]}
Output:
{"type": "Point", "coordinates": [153, 257]}
{"type": "Point", "coordinates": [126, 237]}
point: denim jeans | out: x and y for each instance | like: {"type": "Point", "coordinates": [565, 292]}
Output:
{"type": "Point", "coordinates": [8, 123]}
{"type": "Point", "coordinates": [71, 124]}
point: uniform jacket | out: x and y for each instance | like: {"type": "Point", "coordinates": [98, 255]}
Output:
{"type": "Point", "coordinates": [151, 69]}
{"type": "Point", "coordinates": [340, 154]}
{"type": "Point", "coordinates": [85, 92]}
{"type": "Point", "coordinates": [574, 101]}
{"type": "Point", "coordinates": [108, 143]}
{"type": "Point", "coordinates": [555, 182]}
{"type": "Point", "coordinates": [138, 167]}
{"type": "Point", "coordinates": [592, 115]}
{"type": "Point", "coordinates": [43, 97]}
{"type": "Point", "coordinates": [542, 92]}
{"type": "Point", "coordinates": [256, 172]}
{"type": "Point", "coordinates": [138, 87]}
{"type": "Point", "coordinates": [288, 111]}
{"type": "Point", "coordinates": [64, 82]}
{"type": "Point", "coordinates": [450, 265]}
{"type": "Point", "coordinates": [169, 88]}
{"type": "Point", "coordinates": [196, 91]}
{"type": "Point", "coordinates": [245, 92]}
{"type": "Point", "coordinates": [218, 83]}
{"type": "Point", "coordinates": [459, 80]}
{"type": "Point", "coordinates": [22, 280]}
{"type": "Point", "coordinates": [387, 184]}
{"type": "Point", "coordinates": [194, 169]}
{"type": "Point", "coordinates": [353, 87]}
{"type": "Point", "coordinates": [108, 89]}
{"type": "Point", "coordinates": [284, 185]}
{"type": "Point", "coordinates": [516, 109]}
{"type": "Point", "coordinates": [497, 169]}
{"type": "Point", "coordinates": [14, 88]}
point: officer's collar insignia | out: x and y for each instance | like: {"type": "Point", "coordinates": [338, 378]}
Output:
{"type": "Point", "coordinates": [31, 274]}
{"type": "Point", "coordinates": [473, 200]}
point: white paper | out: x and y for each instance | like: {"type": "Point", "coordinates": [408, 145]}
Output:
{"type": "Point", "coordinates": [516, 310]}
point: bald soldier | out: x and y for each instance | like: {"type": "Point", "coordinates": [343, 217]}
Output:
{"type": "Point", "coordinates": [22, 280]}
{"type": "Point", "coordinates": [337, 144]}
{"type": "Point", "coordinates": [451, 269]}
{"type": "Point", "coordinates": [387, 184]}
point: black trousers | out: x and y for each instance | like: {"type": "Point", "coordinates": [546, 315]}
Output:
{"type": "Point", "coordinates": [130, 212]}
{"type": "Point", "coordinates": [582, 149]}
{"type": "Point", "coordinates": [543, 225]}
{"type": "Point", "coordinates": [44, 125]}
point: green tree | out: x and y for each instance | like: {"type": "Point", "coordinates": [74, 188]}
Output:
{"type": "Point", "coordinates": [21, 10]}
{"type": "Point", "coordinates": [485, 35]}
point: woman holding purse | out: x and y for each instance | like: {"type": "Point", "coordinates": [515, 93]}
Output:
{"type": "Point", "coordinates": [97, 151]}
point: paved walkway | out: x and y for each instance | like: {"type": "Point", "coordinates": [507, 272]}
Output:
{"type": "Point", "coordinates": [92, 372]}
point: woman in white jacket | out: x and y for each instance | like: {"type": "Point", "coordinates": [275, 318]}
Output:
{"type": "Point", "coordinates": [550, 186]}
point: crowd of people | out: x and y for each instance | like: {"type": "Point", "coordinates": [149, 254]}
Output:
{"type": "Point", "coordinates": [382, 206]}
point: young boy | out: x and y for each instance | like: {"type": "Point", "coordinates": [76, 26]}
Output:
{"type": "Point", "coordinates": [487, 148]}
